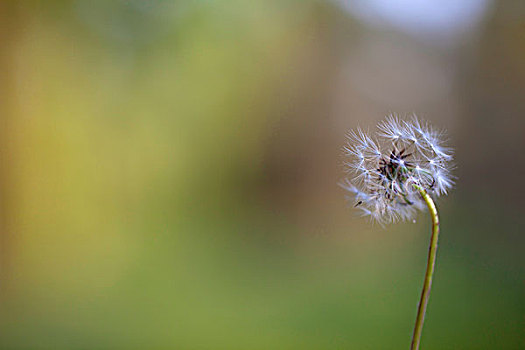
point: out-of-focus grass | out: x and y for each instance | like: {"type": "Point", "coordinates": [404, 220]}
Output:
{"type": "Point", "coordinates": [220, 285]}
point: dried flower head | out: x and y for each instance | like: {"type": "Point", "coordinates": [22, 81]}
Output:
{"type": "Point", "coordinates": [387, 173]}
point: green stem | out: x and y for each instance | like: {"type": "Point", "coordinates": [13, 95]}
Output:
{"type": "Point", "coordinates": [431, 261]}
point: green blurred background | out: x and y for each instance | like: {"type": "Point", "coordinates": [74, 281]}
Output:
{"type": "Point", "coordinates": [169, 169]}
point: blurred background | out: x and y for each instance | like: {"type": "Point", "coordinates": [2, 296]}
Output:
{"type": "Point", "coordinates": [169, 170]}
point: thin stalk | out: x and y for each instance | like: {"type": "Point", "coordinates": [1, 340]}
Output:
{"type": "Point", "coordinates": [431, 261]}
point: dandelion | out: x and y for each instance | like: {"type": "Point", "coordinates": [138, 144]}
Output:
{"type": "Point", "coordinates": [389, 174]}
{"type": "Point", "coordinates": [397, 174]}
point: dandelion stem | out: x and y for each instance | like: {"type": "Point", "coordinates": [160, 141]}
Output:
{"type": "Point", "coordinates": [431, 261]}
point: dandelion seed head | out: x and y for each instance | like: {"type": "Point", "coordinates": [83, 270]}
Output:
{"type": "Point", "coordinates": [386, 173]}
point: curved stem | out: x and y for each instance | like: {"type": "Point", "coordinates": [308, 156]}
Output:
{"type": "Point", "coordinates": [431, 261]}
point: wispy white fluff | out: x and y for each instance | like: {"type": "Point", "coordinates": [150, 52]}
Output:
{"type": "Point", "coordinates": [386, 173]}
